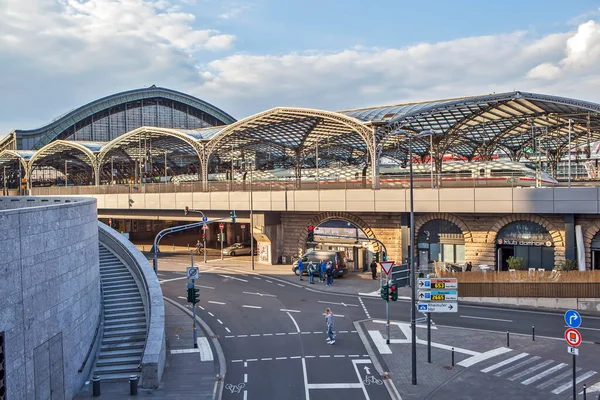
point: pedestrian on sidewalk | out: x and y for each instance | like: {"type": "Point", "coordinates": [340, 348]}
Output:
{"type": "Point", "coordinates": [374, 269]}
{"type": "Point", "coordinates": [329, 322]}
{"type": "Point", "coordinates": [311, 272]}
{"type": "Point", "coordinates": [322, 268]}
{"type": "Point", "coordinates": [300, 269]}
{"type": "Point", "coordinates": [329, 274]}
{"type": "Point", "coordinates": [198, 245]}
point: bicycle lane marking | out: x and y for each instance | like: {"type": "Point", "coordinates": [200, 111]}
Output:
{"type": "Point", "coordinates": [365, 371]}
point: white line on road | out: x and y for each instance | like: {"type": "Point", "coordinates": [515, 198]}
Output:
{"type": "Point", "coordinates": [245, 378]}
{"type": "Point", "coordinates": [339, 356]}
{"type": "Point", "coordinates": [200, 307]}
{"type": "Point", "coordinates": [245, 364]}
{"type": "Point", "coordinates": [268, 334]}
{"type": "Point", "coordinates": [205, 287]}
{"type": "Point", "coordinates": [364, 307]}
{"type": "Point", "coordinates": [379, 342]}
{"type": "Point", "coordinates": [279, 334]}
{"type": "Point", "coordinates": [295, 357]}
{"type": "Point", "coordinates": [252, 359]}
{"type": "Point", "coordinates": [310, 357]}
{"type": "Point", "coordinates": [325, 356]}
{"type": "Point", "coordinates": [183, 351]}
{"type": "Point", "coordinates": [483, 356]}
{"type": "Point", "coordinates": [581, 327]}
{"type": "Point", "coordinates": [219, 321]}
{"type": "Point", "coordinates": [243, 336]}
{"type": "Point", "coordinates": [487, 319]}
{"type": "Point", "coordinates": [251, 306]}
{"type": "Point", "coordinates": [268, 281]}
{"type": "Point", "coordinates": [322, 332]}
{"type": "Point", "coordinates": [216, 302]}
{"type": "Point", "coordinates": [232, 277]}
{"type": "Point", "coordinates": [306, 391]}
{"type": "Point", "coordinates": [181, 297]}
{"type": "Point", "coordinates": [362, 385]}
{"type": "Point", "coordinates": [281, 358]}
{"type": "Point", "coordinates": [289, 311]}
{"type": "Point", "coordinates": [236, 361]}
{"type": "Point", "coordinates": [260, 294]}
{"type": "Point", "coordinates": [530, 370]}
{"type": "Point", "coordinates": [211, 314]}
{"type": "Point", "coordinates": [256, 277]}
{"type": "Point", "coordinates": [173, 279]}
{"type": "Point", "coordinates": [580, 378]}
{"type": "Point", "coordinates": [281, 284]}
{"type": "Point", "coordinates": [503, 363]}
{"type": "Point", "coordinates": [333, 386]}
{"type": "Point", "coordinates": [339, 304]}
{"type": "Point", "coordinates": [266, 359]}
{"type": "Point", "coordinates": [227, 329]}
{"type": "Point", "coordinates": [335, 315]}
{"type": "Point", "coordinates": [245, 395]}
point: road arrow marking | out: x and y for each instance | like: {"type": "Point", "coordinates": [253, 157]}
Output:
{"type": "Point", "coordinates": [367, 370]}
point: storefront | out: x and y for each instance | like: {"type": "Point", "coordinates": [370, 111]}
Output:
{"type": "Point", "coordinates": [441, 241]}
{"type": "Point", "coordinates": [528, 240]}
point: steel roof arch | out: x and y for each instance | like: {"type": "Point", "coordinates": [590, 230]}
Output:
{"type": "Point", "coordinates": [15, 154]}
{"type": "Point", "coordinates": [64, 143]}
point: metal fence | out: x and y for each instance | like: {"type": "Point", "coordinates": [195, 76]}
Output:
{"type": "Point", "coordinates": [324, 183]}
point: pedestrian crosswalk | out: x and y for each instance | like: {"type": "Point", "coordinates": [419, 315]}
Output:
{"type": "Point", "coordinates": [534, 371]}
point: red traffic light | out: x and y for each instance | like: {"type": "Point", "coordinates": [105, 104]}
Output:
{"type": "Point", "coordinates": [311, 228]}
{"type": "Point", "coordinates": [187, 208]}
{"type": "Point", "coordinates": [393, 288]}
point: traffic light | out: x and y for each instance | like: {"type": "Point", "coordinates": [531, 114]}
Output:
{"type": "Point", "coordinates": [187, 210]}
{"type": "Point", "coordinates": [233, 216]}
{"type": "Point", "coordinates": [376, 257]}
{"type": "Point", "coordinates": [311, 234]}
{"type": "Point", "coordinates": [204, 235]}
{"type": "Point", "coordinates": [394, 292]}
{"type": "Point", "coordinates": [193, 294]}
{"type": "Point", "coordinates": [385, 292]}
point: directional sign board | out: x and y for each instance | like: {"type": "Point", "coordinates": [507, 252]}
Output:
{"type": "Point", "coordinates": [192, 273]}
{"type": "Point", "coordinates": [386, 266]}
{"type": "Point", "coordinates": [573, 337]}
{"type": "Point", "coordinates": [438, 283]}
{"type": "Point", "coordinates": [573, 319]}
{"type": "Point", "coordinates": [434, 307]}
{"type": "Point", "coordinates": [204, 218]}
{"type": "Point", "coordinates": [438, 295]}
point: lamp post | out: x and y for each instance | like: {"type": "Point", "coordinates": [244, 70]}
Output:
{"type": "Point", "coordinates": [412, 269]}
{"type": "Point", "coordinates": [251, 222]}
{"type": "Point", "coordinates": [569, 153]}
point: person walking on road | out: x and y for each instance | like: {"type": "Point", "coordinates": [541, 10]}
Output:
{"type": "Point", "coordinates": [311, 272]}
{"type": "Point", "coordinates": [329, 322]}
{"type": "Point", "coordinates": [329, 274]}
{"type": "Point", "coordinates": [374, 269]}
{"type": "Point", "coordinates": [300, 269]}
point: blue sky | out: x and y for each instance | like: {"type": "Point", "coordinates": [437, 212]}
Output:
{"type": "Point", "coordinates": [248, 56]}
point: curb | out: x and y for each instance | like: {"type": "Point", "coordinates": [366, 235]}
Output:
{"type": "Point", "coordinates": [389, 384]}
{"type": "Point", "coordinates": [219, 383]}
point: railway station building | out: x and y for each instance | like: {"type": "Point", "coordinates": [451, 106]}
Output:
{"type": "Point", "coordinates": [494, 176]}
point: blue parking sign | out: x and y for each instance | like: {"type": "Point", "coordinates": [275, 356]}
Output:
{"type": "Point", "coordinates": [573, 319]}
{"type": "Point", "coordinates": [423, 307]}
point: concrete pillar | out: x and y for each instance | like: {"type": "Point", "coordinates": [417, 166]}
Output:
{"type": "Point", "coordinates": [570, 246]}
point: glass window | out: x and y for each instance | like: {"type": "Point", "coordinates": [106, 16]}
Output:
{"type": "Point", "coordinates": [434, 252]}
{"type": "Point", "coordinates": [459, 252]}
{"type": "Point", "coordinates": [448, 252]}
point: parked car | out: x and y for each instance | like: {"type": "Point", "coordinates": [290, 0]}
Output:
{"type": "Point", "coordinates": [238, 249]}
{"type": "Point", "coordinates": [340, 268]}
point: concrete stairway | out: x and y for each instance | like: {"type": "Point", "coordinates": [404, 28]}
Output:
{"type": "Point", "coordinates": [124, 333]}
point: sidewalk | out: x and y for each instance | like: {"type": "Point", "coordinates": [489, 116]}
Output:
{"type": "Point", "coordinates": [189, 372]}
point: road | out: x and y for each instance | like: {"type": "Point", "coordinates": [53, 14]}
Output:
{"type": "Point", "coordinates": [273, 332]}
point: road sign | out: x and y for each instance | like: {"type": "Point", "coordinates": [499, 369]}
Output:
{"type": "Point", "coordinates": [204, 218]}
{"type": "Point", "coordinates": [573, 337]}
{"type": "Point", "coordinates": [204, 227]}
{"type": "Point", "coordinates": [573, 319]}
{"type": "Point", "coordinates": [573, 350]}
{"type": "Point", "coordinates": [437, 307]}
{"type": "Point", "coordinates": [438, 295]}
{"type": "Point", "coordinates": [221, 226]}
{"type": "Point", "coordinates": [192, 273]}
{"type": "Point", "coordinates": [438, 283]}
{"type": "Point", "coordinates": [386, 266]}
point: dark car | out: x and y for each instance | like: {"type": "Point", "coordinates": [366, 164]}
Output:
{"type": "Point", "coordinates": [337, 258]}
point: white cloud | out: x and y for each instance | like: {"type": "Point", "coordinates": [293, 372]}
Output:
{"type": "Point", "coordinates": [235, 10]}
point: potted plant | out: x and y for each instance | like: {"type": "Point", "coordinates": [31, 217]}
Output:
{"type": "Point", "coordinates": [515, 263]}
{"type": "Point", "coordinates": [566, 265]}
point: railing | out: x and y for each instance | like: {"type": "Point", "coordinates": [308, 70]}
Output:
{"type": "Point", "coordinates": [324, 183]}
{"type": "Point", "coordinates": [154, 355]}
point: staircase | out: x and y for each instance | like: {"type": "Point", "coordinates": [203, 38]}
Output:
{"type": "Point", "coordinates": [124, 334]}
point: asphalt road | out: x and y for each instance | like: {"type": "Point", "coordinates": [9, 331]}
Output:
{"type": "Point", "coordinates": [273, 333]}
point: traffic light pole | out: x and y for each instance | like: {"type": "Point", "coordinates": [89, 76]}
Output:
{"type": "Point", "coordinates": [194, 308]}
{"type": "Point", "coordinates": [387, 311]}
{"type": "Point", "coordinates": [221, 244]}
{"type": "Point", "coordinates": [204, 240]}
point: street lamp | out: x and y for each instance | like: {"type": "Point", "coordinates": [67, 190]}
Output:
{"type": "Point", "coordinates": [412, 269]}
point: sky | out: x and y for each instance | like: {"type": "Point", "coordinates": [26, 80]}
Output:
{"type": "Point", "coordinates": [248, 56]}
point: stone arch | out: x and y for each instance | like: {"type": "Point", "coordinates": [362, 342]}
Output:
{"type": "Point", "coordinates": [422, 220]}
{"type": "Point", "coordinates": [588, 236]}
{"type": "Point", "coordinates": [344, 216]}
{"type": "Point", "coordinates": [557, 236]}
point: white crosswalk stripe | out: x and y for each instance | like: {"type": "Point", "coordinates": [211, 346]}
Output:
{"type": "Point", "coordinates": [569, 384]}
{"type": "Point", "coordinates": [503, 363]}
{"type": "Point", "coordinates": [556, 379]}
{"type": "Point", "coordinates": [530, 370]}
{"type": "Point", "coordinates": [517, 366]}
{"type": "Point", "coordinates": [544, 374]}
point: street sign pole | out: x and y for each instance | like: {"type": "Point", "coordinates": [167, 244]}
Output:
{"type": "Point", "coordinates": [387, 311]}
{"type": "Point", "coordinates": [429, 337]}
{"type": "Point", "coordinates": [221, 227]}
{"type": "Point", "coordinates": [574, 376]}
{"type": "Point", "coordinates": [204, 240]}
{"type": "Point", "coordinates": [194, 308]}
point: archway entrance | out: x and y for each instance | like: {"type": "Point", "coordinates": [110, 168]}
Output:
{"type": "Point", "coordinates": [440, 240]}
{"type": "Point", "coordinates": [354, 244]}
{"type": "Point", "coordinates": [595, 251]}
{"type": "Point", "coordinates": [528, 240]}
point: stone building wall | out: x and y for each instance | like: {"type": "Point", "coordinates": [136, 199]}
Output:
{"type": "Point", "coordinates": [49, 294]}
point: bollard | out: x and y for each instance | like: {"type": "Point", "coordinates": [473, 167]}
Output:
{"type": "Point", "coordinates": [453, 356]}
{"type": "Point", "coordinates": [507, 338]}
{"type": "Point", "coordinates": [133, 385]}
{"type": "Point", "coordinates": [533, 332]}
{"type": "Point", "coordinates": [96, 386]}
{"type": "Point", "coordinates": [584, 392]}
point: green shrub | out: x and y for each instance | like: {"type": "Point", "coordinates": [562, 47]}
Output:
{"type": "Point", "coordinates": [566, 265]}
{"type": "Point", "coordinates": [516, 262]}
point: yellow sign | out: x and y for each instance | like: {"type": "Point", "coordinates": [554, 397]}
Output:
{"type": "Point", "coordinates": [438, 285]}
{"type": "Point", "coordinates": [438, 297]}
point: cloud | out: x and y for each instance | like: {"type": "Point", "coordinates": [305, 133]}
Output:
{"type": "Point", "coordinates": [235, 11]}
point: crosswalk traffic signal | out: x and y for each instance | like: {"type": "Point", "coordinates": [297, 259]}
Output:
{"type": "Point", "coordinates": [311, 234]}
{"type": "Point", "coordinates": [394, 292]}
{"type": "Point", "coordinates": [193, 294]}
{"type": "Point", "coordinates": [385, 292]}
{"type": "Point", "coordinates": [186, 210]}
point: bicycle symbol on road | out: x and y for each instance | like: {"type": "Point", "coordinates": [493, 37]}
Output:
{"type": "Point", "coordinates": [371, 379]}
{"type": "Point", "coordinates": [235, 388]}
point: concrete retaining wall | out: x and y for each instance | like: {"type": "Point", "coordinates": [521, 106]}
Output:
{"type": "Point", "coordinates": [49, 294]}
